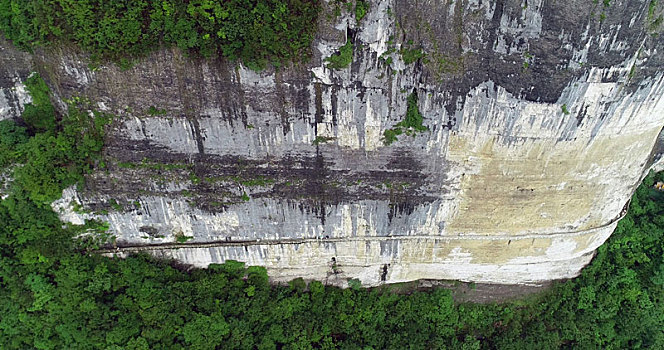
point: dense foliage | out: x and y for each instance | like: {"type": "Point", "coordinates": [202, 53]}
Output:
{"type": "Point", "coordinates": [55, 294]}
{"type": "Point", "coordinates": [257, 32]}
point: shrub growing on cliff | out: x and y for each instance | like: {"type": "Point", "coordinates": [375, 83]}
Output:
{"type": "Point", "coordinates": [411, 124]}
{"type": "Point", "coordinates": [343, 58]}
{"type": "Point", "coordinates": [58, 154]}
{"type": "Point", "coordinates": [410, 54]}
{"type": "Point", "coordinates": [564, 109]}
{"type": "Point", "coordinates": [40, 114]}
{"type": "Point", "coordinates": [361, 9]}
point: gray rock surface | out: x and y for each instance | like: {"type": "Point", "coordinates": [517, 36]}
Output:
{"type": "Point", "coordinates": [542, 118]}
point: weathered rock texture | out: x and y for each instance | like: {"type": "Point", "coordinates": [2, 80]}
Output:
{"type": "Point", "coordinates": [542, 118]}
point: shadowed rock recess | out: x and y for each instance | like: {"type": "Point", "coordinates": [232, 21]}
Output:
{"type": "Point", "coordinates": [539, 119]}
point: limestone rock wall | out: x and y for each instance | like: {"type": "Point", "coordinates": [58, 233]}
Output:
{"type": "Point", "coordinates": [542, 118]}
{"type": "Point", "coordinates": [15, 67]}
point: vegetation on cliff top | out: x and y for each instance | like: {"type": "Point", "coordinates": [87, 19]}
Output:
{"type": "Point", "coordinates": [54, 294]}
{"type": "Point", "coordinates": [257, 32]}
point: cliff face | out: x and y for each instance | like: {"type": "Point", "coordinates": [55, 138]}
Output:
{"type": "Point", "coordinates": [542, 118]}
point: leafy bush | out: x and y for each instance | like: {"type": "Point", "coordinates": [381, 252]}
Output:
{"type": "Point", "coordinates": [361, 9]}
{"type": "Point", "coordinates": [413, 118]}
{"type": "Point", "coordinates": [411, 124]}
{"type": "Point", "coordinates": [409, 55]}
{"type": "Point", "coordinates": [40, 114]}
{"type": "Point", "coordinates": [343, 58]}
{"type": "Point", "coordinates": [12, 136]}
{"type": "Point", "coordinates": [354, 284]}
{"type": "Point", "coordinates": [390, 135]}
{"type": "Point", "coordinates": [564, 109]}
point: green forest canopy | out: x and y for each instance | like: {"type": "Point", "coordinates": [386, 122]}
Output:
{"type": "Point", "coordinates": [56, 294]}
{"type": "Point", "coordinates": [257, 32]}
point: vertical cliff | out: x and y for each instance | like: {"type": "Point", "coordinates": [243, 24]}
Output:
{"type": "Point", "coordinates": [539, 118]}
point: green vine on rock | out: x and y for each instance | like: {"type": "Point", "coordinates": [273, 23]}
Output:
{"type": "Point", "coordinates": [410, 125]}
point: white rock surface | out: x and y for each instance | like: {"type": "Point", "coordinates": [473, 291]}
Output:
{"type": "Point", "coordinates": [541, 120]}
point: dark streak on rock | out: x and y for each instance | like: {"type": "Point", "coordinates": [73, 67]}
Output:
{"type": "Point", "coordinates": [281, 102]}
{"type": "Point", "coordinates": [196, 131]}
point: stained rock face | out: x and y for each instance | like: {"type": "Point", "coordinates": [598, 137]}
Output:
{"type": "Point", "coordinates": [541, 118]}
